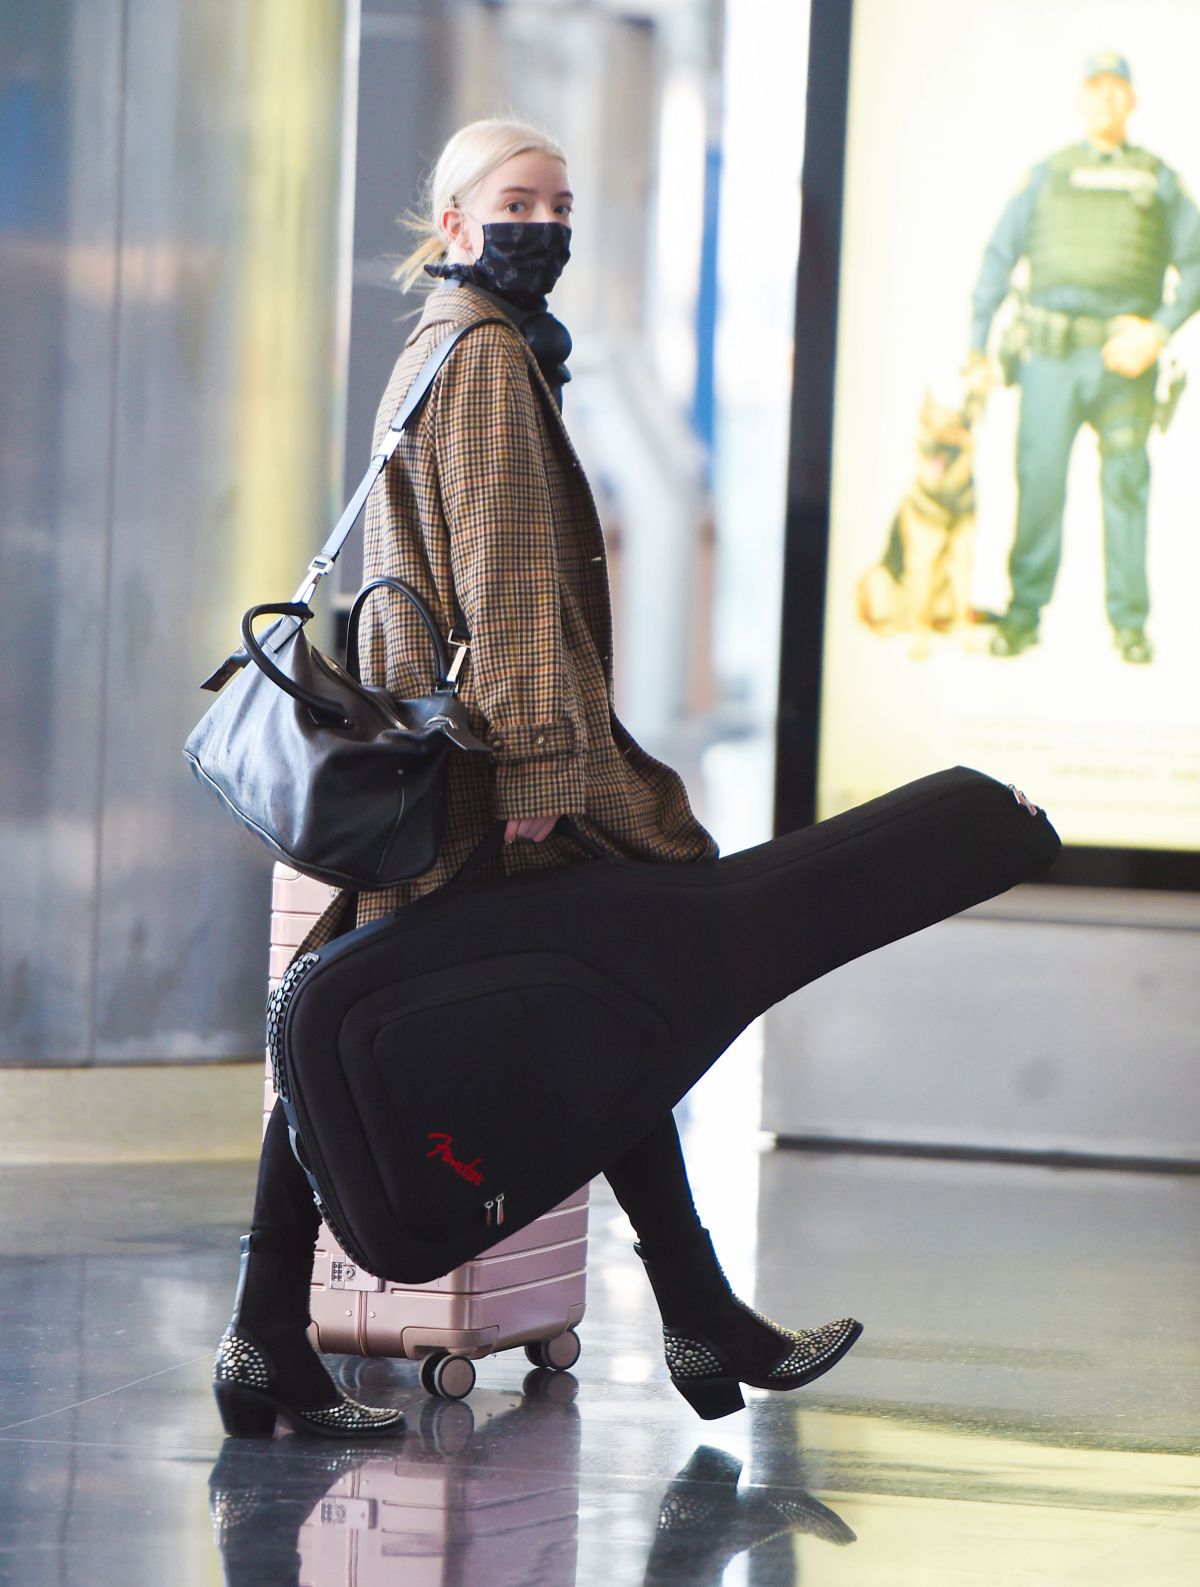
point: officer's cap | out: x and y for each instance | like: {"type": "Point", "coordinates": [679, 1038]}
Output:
{"type": "Point", "coordinates": [1107, 62]}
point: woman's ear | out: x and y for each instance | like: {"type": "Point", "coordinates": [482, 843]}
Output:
{"type": "Point", "coordinates": [454, 227]}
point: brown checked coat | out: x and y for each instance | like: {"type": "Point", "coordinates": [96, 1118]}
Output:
{"type": "Point", "coordinates": [485, 499]}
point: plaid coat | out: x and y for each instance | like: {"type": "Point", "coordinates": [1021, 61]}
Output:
{"type": "Point", "coordinates": [485, 499]}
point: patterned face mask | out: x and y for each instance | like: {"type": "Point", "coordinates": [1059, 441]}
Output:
{"type": "Point", "coordinates": [522, 259]}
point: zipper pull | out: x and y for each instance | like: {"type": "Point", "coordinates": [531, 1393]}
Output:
{"type": "Point", "coordinates": [488, 1208]}
{"type": "Point", "coordinates": [500, 1208]}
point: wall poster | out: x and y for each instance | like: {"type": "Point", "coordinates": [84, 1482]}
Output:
{"type": "Point", "coordinates": [1013, 577]}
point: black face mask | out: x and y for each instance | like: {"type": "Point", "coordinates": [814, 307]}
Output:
{"type": "Point", "coordinates": [522, 259]}
{"type": "Point", "coordinates": [528, 258]}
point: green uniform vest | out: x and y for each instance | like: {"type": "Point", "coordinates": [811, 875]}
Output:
{"type": "Point", "coordinates": [1100, 224]}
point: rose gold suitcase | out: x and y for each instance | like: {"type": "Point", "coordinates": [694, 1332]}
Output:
{"type": "Point", "coordinates": [528, 1290]}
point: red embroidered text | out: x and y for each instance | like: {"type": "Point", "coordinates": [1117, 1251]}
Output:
{"type": "Point", "coordinates": [469, 1171]}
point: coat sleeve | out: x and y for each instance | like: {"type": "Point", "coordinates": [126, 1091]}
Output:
{"type": "Point", "coordinates": [497, 507]}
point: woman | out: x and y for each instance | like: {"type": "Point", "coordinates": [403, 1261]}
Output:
{"type": "Point", "coordinates": [485, 511]}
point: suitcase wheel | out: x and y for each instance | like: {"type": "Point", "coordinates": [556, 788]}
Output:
{"type": "Point", "coordinates": [558, 1354]}
{"type": "Point", "coordinates": [448, 1377]}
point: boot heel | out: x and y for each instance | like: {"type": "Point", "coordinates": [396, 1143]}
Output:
{"type": "Point", "coordinates": [243, 1413]}
{"type": "Point", "coordinates": [712, 1397]}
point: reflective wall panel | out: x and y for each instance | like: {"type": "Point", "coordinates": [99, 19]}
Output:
{"type": "Point", "coordinates": [58, 301]}
{"type": "Point", "coordinates": [1049, 1020]}
{"type": "Point", "coordinates": [171, 237]}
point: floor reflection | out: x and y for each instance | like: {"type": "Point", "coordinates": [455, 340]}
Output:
{"type": "Point", "coordinates": [491, 1493]}
{"type": "Point", "coordinates": [705, 1521]}
{"type": "Point", "coordinates": [482, 1492]}
{"type": "Point", "coordinates": [485, 1493]}
{"type": "Point", "coordinates": [1021, 1411]}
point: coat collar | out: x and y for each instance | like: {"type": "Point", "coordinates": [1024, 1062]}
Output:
{"type": "Point", "coordinates": [455, 304]}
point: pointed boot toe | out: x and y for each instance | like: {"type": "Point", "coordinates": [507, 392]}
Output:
{"type": "Point", "coordinates": [710, 1377]}
{"type": "Point", "coordinates": [250, 1402]}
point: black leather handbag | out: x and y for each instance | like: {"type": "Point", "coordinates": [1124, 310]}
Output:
{"type": "Point", "coordinates": [454, 1070]}
{"type": "Point", "coordinates": [336, 777]}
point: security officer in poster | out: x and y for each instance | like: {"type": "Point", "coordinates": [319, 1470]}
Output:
{"type": "Point", "coordinates": [1099, 224]}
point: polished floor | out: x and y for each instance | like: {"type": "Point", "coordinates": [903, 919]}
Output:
{"type": "Point", "coordinates": [1024, 1407]}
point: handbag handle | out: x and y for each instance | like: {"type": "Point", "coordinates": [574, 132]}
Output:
{"type": "Point", "coordinates": [318, 704]}
{"type": "Point", "coordinates": [445, 671]}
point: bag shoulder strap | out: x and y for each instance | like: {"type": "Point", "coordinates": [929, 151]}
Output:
{"type": "Point", "coordinates": [323, 562]}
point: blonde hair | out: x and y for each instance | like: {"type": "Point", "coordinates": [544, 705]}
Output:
{"type": "Point", "coordinates": [471, 155]}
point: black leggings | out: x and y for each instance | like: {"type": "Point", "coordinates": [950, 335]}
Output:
{"type": "Point", "coordinates": [650, 1182]}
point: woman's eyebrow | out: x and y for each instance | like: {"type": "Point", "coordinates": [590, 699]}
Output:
{"type": "Point", "coordinates": [533, 192]}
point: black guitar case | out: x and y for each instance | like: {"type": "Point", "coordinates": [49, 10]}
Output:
{"type": "Point", "coordinates": [453, 1071]}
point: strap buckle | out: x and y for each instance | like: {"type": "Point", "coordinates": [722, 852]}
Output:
{"type": "Point", "coordinates": [318, 568]}
{"type": "Point", "coordinates": [460, 646]}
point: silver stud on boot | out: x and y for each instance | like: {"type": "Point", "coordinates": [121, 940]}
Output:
{"type": "Point", "coordinates": [708, 1378]}
{"type": "Point", "coordinates": [247, 1389]}
{"type": "Point", "coordinates": [724, 1343]}
{"type": "Point", "coordinates": [242, 1386]}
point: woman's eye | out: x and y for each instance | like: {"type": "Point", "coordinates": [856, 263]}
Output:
{"type": "Point", "coordinates": [564, 210]}
{"type": "Point", "coordinates": [515, 206]}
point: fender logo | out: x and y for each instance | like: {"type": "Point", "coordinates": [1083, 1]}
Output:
{"type": "Point", "coordinates": [468, 1171]}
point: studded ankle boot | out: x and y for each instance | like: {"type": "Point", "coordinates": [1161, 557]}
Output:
{"type": "Point", "coordinates": [714, 1342]}
{"type": "Point", "coordinates": [265, 1366]}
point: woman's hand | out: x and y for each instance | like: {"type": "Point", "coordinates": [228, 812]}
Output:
{"type": "Point", "coordinates": [535, 828]}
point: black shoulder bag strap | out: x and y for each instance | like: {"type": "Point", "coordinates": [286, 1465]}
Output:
{"type": "Point", "coordinates": [322, 564]}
